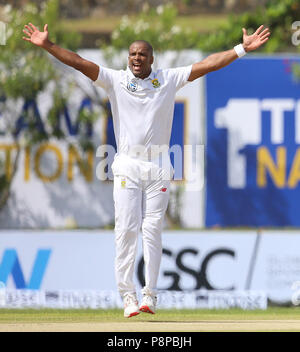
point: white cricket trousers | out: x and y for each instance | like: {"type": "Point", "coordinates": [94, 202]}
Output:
{"type": "Point", "coordinates": [139, 205]}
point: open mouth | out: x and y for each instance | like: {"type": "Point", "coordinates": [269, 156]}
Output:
{"type": "Point", "coordinates": [136, 66]}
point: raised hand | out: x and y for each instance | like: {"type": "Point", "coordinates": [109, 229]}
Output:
{"type": "Point", "coordinates": [258, 38]}
{"type": "Point", "coordinates": [34, 36]}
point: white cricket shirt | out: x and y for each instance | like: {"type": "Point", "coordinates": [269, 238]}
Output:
{"type": "Point", "coordinates": [142, 109]}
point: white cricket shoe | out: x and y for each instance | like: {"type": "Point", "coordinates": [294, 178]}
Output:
{"type": "Point", "coordinates": [148, 304]}
{"type": "Point", "coordinates": [131, 307]}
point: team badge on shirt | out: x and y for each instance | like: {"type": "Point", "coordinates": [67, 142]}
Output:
{"type": "Point", "coordinates": [155, 83]}
{"type": "Point", "coordinates": [123, 182]}
{"type": "Point", "coordinates": [132, 85]}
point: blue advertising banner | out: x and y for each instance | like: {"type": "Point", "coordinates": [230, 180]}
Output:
{"type": "Point", "coordinates": [253, 143]}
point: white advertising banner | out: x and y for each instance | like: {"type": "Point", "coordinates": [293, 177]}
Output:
{"type": "Point", "coordinates": [58, 186]}
{"type": "Point", "coordinates": [209, 260]}
{"type": "Point", "coordinates": [85, 260]}
{"type": "Point", "coordinates": [57, 260]}
{"type": "Point", "coordinates": [75, 269]}
{"type": "Point", "coordinates": [277, 266]}
{"type": "Point", "coordinates": [196, 268]}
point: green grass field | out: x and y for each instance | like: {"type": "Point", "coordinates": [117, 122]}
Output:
{"type": "Point", "coordinates": [272, 319]}
{"type": "Point", "coordinates": [201, 23]}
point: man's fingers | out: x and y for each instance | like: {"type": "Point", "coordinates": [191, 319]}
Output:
{"type": "Point", "coordinates": [265, 37]}
{"type": "Point", "coordinates": [27, 39]}
{"type": "Point", "coordinates": [45, 28]}
{"type": "Point", "coordinates": [33, 26]}
{"type": "Point", "coordinates": [244, 31]}
{"type": "Point", "coordinates": [28, 29]}
{"type": "Point", "coordinates": [264, 32]}
{"type": "Point", "coordinates": [259, 29]}
{"type": "Point", "coordinates": [265, 40]}
{"type": "Point", "coordinates": [27, 33]}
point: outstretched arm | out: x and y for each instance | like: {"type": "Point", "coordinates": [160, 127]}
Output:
{"type": "Point", "coordinates": [69, 58]}
{"type": "Point", "coordinates": [218, 60]}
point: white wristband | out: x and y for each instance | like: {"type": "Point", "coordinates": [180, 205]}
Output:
{"type": "Point", "coordinates": [240, 51]}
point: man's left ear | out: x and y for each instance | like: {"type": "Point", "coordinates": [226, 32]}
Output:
{"type": "Point", "coordinates": [152, 60]}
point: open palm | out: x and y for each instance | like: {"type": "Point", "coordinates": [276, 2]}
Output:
{"type": "Point", "coordinates": [34, 36]}
{"type": "Point", "coordinates": [258, 38]}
